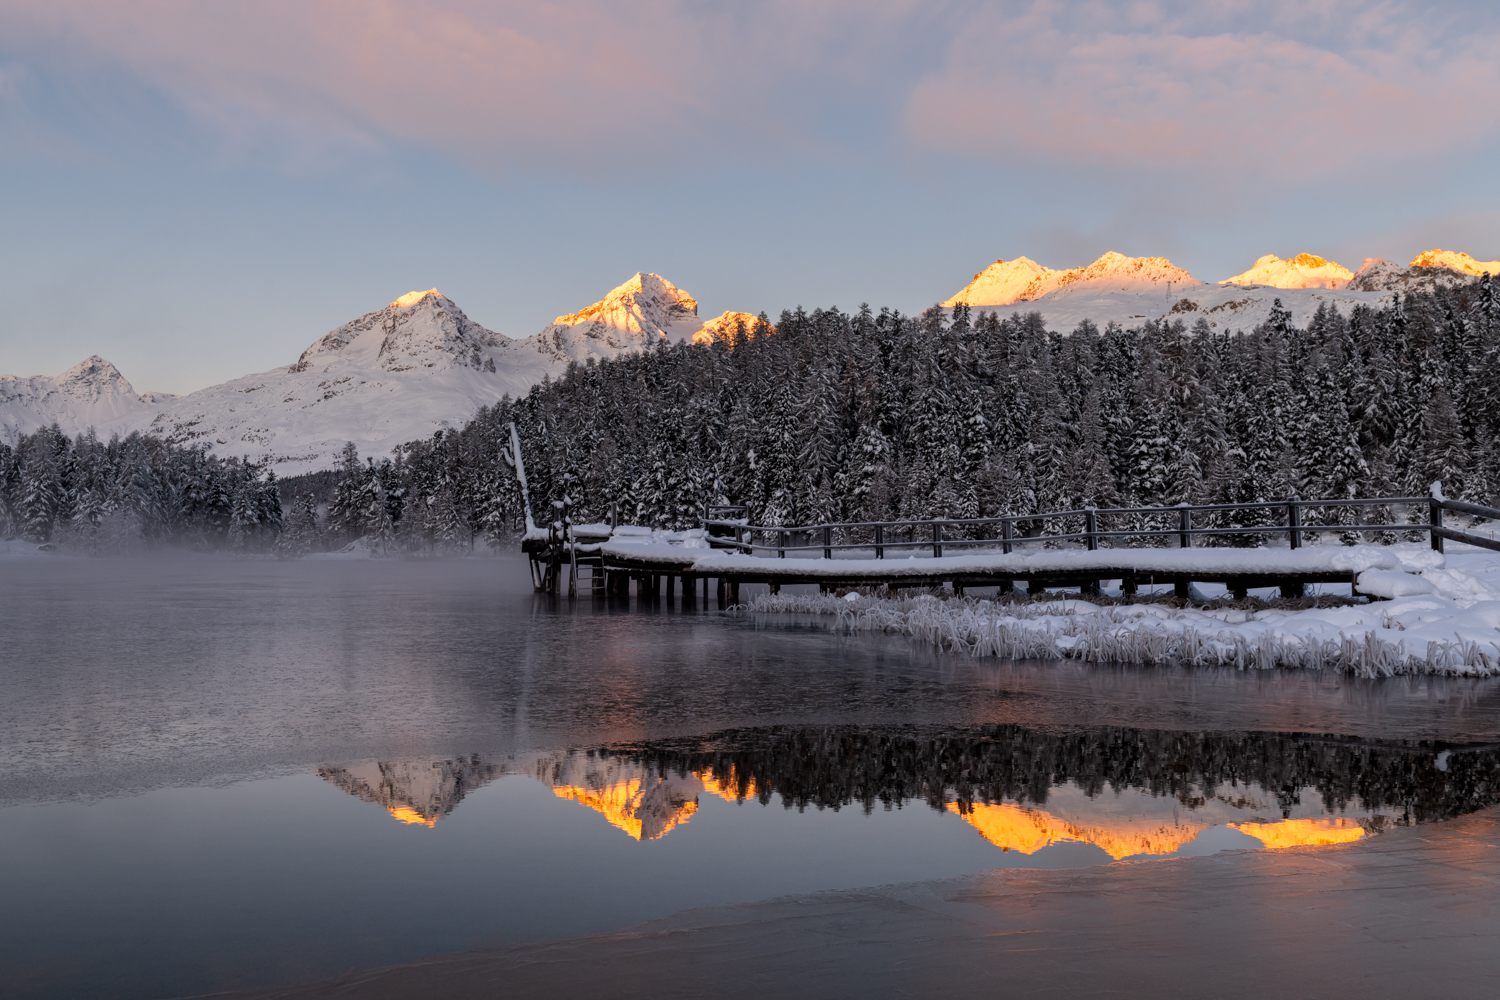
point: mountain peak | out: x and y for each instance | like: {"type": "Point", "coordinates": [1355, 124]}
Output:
{"type": "Point", "coordinates": [1455, 261]}
{"type": "Point", "coordinates": [1305, 270]}
{"type": "Point", "coordinates": [418, 330]}
{"type": "Point", "coordinates": [1000, 284]}
{"type": "Point", "coordinates": [645, 310]}
{"type": "Point", "coordinates": [412, 298]}
{"type": "Point", "coordinates": [93, 379]}
{"type": "Point", "coordinates": [1022, 279]}
{"type": "Point", "coordinates": [644, 293]}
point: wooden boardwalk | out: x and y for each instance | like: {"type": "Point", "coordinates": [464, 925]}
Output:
{"type": "Point", "coordinates": [1139, 546]}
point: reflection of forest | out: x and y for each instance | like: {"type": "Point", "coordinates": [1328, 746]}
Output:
{"type": "Point", "coordinates": [839, 766]}
{"type": "Point", "coordinates": [1130, 792]}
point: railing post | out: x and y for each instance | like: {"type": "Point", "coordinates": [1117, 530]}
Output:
{"type": "Point", "coordinates": [1185, 528]}
{"type": "Point", "coordinates": [1294, 522]}
{"type": "Point", "coordinates": [1007, 532]}
{"type": "Point", "coordinates": [937, 540]}
{"type": "Point", "coordinates": [781, 545]}
{"type": "Point", "coordinates": [827, 542]}
{"type": "Point", "coordinates": [1091, 526]}
{"type": "Point", "coordinates": [1437, 522]}
{"type": "Point", "coordinates": [879, 541]}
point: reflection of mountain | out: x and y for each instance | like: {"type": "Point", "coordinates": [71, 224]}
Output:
{"type": "Point", "coordinates": [414, 791]}
{"type": "Point", "coordinates": [1130, 792]}
{"type": "Point", "coordinates": [1137, 824]}
{"type": "Point", "coordinates": [632, 797]}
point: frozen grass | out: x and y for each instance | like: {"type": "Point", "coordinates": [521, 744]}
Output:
{"type": "Point", "coordinates": [1371, 640]}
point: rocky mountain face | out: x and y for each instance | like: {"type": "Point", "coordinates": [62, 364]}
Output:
{"type": "Point", "coordinates": [422, 791]}
{"type": "Point", "coordinates": [642, 312]}
{"type": "Point", "coordinates": [1377, 274]}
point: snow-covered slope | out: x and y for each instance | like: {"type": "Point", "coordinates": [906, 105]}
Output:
{"type": "Point", "coordinates": [1303, 271]}
{"type": "Point", "coordinates": [391, 376]}
{"type": "Point", "coordinates": [92, 393]}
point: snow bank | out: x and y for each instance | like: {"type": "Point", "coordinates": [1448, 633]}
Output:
{"type": "Point", "coordinates": [1418, 635]}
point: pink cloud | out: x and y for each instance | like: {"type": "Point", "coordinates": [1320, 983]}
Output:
{"type": "Point", "coordinates": [1281, 89]}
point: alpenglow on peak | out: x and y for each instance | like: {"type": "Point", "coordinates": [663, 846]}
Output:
{"type": "Point", "coordinates": [412, 298]}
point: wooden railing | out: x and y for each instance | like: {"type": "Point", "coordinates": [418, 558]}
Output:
{"type": "Point", "coordinates": [727, 527]}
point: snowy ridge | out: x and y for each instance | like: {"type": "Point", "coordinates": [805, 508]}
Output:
{"type": "Point", "coordinates": [1131, 291]}
{"type": "Point", "coordinates": [1377, 274]}
{"type": "Point", "coordinates": [1023, 280]}
{"type": "Point", "coordinates": [1455, 261]}
{"type": "Point", "coordinates": [1303, 271]}
{"type": "Point", "coordinates": [393, 375]}
{"type": "Point", "coordinates": [92, 393]}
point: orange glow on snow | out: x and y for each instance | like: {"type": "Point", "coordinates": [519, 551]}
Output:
{"type": "Point", "coordinates": [1027, 830]}
{"type": "Point", "coordinates": [1303, 832]}
{"type": "Point", "coordinates": [412, 298]}
{"type": "Point", "coordinates": [406, 814]}
{"type": "Point", "coordinates": [623, 804]}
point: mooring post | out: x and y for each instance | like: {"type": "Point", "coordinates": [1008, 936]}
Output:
{"type": "Point", "coordinates": [827, 542]}
{"type": "Point", "coordinates": [937, 540]}
{"type": "Point", "coordinates": [879, 541]}
{"type": "Point", "coordinates": [1294, 522]}
{"type": "Point", "coordinates": [1435, 491]}
{"type": "Point", "coordinates": [614, 515]}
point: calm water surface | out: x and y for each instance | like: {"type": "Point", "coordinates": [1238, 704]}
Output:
{"type": "Point", "coordinates": [219, 774]}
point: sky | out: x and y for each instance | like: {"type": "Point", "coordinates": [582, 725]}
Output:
{"type": "Point", "coordinates": [198, 190]}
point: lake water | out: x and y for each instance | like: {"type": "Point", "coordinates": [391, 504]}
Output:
{"type": "Point", "coordinates": [225, 774]}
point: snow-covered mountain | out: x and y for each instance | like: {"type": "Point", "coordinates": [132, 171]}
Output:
{"type": "Point", "coordinates": [1377, 274]}
{"type": "Point", "coordinates": [422, 791]}
{"type": "Point", "coordinates": [92, 393]}
{"type": "Point", "coordinates": [1303, 271]}
{"type": "Point", "coordinates": [1455, 261]}
{"type": "Point", "coordinates": [645, 310]}
{"type": "Point", "coordinates": [1024, 280]}
{"type": "Point", "coordinates": [721, 327]}
{"type": "Point", "coordinates": [391, 376]}
{"type": "Point", "coordinates": [1132, 290]}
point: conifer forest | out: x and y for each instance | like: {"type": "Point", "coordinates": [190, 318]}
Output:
{"type": "Point", "coordinates": [828, 416]}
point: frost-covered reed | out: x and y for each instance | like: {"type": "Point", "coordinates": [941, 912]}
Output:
{"type": "Point", "coordinates": [1152, 634]}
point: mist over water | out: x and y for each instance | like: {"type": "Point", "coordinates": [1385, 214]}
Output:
{"type": "Point", "coordinates": [222, 773]}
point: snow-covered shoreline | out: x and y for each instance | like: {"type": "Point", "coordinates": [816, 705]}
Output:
{"type": "Point", "coordinates": [1453, 630]}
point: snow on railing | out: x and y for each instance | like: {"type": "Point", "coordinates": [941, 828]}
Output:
{"type": "Point", "coordinates": [1151, 524]}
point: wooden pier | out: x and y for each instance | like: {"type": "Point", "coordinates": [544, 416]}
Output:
{"type": "Point", "coordinates": [1062, 549]}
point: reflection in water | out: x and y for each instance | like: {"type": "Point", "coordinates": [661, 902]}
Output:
{"type": "Point", "coordinates": [1132, 793]}
{"type": "Point", "coordinates": [416, 792]}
